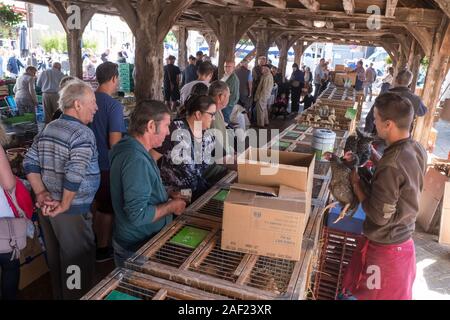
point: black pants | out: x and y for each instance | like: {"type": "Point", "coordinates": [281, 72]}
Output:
{"type": "Point", "coordinates": [295, 97]}
{"type": "Point", "coordinates": [10, 276]}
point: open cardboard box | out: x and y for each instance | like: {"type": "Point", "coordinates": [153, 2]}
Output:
{"type": "Point", "coordinates": [257, 222]}
{"type": "Point", "coordinates": [273, 168]}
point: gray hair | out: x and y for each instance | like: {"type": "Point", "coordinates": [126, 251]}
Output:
{"type": "Point", "coordinates": [217, 88]}
{"type": "Point", "coordinates": [72, 91]}
{"type": "Point", "coordinates": [404, 77]}
{"type": "Point", "coordinates": [144, 112]}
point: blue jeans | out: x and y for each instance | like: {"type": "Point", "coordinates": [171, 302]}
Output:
{"type": "Point", "coordinates": [121, 255]}
{"type": "Point", "coordinates": [10, 276]}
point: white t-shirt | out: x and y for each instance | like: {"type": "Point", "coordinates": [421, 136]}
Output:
{"type": "Point", "coordinates": [187, 89]}
{"type": "Point", "coordinates": [5, 209]}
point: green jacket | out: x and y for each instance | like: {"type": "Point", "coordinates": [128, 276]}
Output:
{"type": "Point", "coordinates": [233, 84]}
{"type": "Point", "coordinates": [136, 190]}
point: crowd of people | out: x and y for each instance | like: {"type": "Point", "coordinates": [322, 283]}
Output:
{"type": "Point", "coordinates": [255, 95]}
{"type": "Point", "coordinates": [103, 191]}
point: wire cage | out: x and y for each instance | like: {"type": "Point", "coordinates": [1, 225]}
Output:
{"type": "Point", "coordinates": [123, 284]}
{"type": "Point", "coordinates": [207, 267]}
{"type": "Point", "coordinates": [336, 250]}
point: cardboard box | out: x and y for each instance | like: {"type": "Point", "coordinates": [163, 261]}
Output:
{"type": "Point", "coordinates": [291, 169]}
{"type": "Point", "coordinates": [339, 67]}
{"type": "Point", "coordinates": [263, 225]}
{"type": "Point", "coordinates": [340, 78]}
{"type": "Point", "coordinates": [444, 232]}
{"type": "Point", "coordinates": [433, 191]}
{"type": "Point", "coordinates": [33, 264]}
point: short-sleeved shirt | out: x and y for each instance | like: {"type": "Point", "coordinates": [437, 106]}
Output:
{"type": "Point", "coordinates": [183, 162]}
{"type": "Point", "coordinates": [170, 74]}
{"type": "Point", "coordinates": [108, 118]}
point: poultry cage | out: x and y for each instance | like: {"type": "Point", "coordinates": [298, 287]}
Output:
{"type": "Point", "coordinates": [123, 284]}
{"type": "Point", "coordinates": [188, 251]}
{"type": "Point", "coordinates": [335, 254]}
{"type": "Point", "coordinates": [210, 205]}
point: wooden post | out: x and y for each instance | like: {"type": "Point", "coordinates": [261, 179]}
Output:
{"type": "Point", "coordinates": [74, 33]}
{"type": "Point", "coordinates": [284, 43]}
{"type": "Point", "coordinates": [414, 62]}
{"type": "Point", "coordinates": [211, 39]}
{"type": "Point", "coordinates": [182, 34]}
{"type": "Point", "coordinates": [264, 40]}
{"type": "Point", "coordinates": [150, 21]}
{"type": "Point", "coordinates": [298, 51]}
{"type": "Point", "coordinates": [437, 70]}
{"type": "Point", "coordinates": [229, 29]}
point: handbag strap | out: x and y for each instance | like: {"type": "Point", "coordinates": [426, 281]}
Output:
{"type": "Point", "coordinates": [13, 241]}
{"type": "Point", "coordinates": [12, 197]}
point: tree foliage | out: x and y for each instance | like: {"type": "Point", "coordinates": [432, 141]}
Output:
{"type": "Point", "coordinates": [8, 20]}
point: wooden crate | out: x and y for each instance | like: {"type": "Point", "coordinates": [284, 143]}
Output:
{"type": "Point", "coordinates": [206, 206]}
{"type": "Point", "coordinates": [209, 268]}
{"type": "Point", "coordinates": [335, 254]}
{"type": "Point", "coordinates": [145, 287]}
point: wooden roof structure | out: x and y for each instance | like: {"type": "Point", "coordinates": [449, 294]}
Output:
{"type": "Point", "coordinates": [407, 29]}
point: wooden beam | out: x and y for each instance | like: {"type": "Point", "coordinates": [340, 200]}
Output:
{"type": "Point", "coordinates": [243, 3]}
{"type": "Point", "coordinates": [403, 16]}
{"type": "Point", "coordinates": [281, 22]}
{"type": "Point", "coordinates": [423, 36]}
{"type": "Point", "coordinates": [306, 23]}
{"type": "Point", "coordinates": [280, 4]}
{"type": "Point", "coordinates": [312, 5]}
{"type": "Point", "coordinates": [444, 5]}
{"type": "Point", "coordinates": [391, 5]}
{"type": "Point", "coordinates": [349, 6]}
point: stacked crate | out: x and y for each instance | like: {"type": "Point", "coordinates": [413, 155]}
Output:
{"type": "Point", "coordinates": [335, 255]}
{"type": "Point", "coordinates": [126, 77]}
{"type": "Point", "coordinates": [123, 284]}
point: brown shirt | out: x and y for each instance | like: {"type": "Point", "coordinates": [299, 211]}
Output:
{"type": "Point", "coordinates": [392, 206]}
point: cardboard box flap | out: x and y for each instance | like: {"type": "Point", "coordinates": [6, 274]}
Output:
{"type": "Point", "coordinates": [279, 204]}
{"type": "Point", "coordinates": [291, 193]}
{"type": "Point", "coordinates": [270, 191]}
{"type": "Point", "coordinates": [241, 197]}
{"type": "Point", "coordinates": [267, 156]}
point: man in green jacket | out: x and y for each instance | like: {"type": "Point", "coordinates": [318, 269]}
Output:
{"type": "Point", "coordinates": [141, 204]}
{"type": "Point", "coordinates": [231, 79]}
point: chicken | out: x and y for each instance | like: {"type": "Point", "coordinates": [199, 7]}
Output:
{"type": "Point", "coordinates": [360, 144]}
{"type": "Point", "coordinates": [340, 185]}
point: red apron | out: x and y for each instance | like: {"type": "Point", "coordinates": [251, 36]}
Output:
{"type": "Point", "coordinates": [381, 272]}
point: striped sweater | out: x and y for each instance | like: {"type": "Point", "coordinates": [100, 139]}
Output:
{"type": "Point", "coordinates": [65, 154]}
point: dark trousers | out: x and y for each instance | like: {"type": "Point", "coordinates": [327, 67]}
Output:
{"type": "Point", "coordinates": [295, 97]}
{"type": "Point", "coordinates": [10, 276]}
{"type": "Point", "coordinates": [69, 239]}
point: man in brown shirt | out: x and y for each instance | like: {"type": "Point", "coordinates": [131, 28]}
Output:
{"type": "Point", "coordinates": [384, 267]}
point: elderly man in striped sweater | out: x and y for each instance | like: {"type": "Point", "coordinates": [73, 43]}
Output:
{"type": "Point", "coordinates": [62, 167]}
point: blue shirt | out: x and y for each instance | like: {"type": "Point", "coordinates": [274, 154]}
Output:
{"type": "Point", "coordinates": [109, 118]}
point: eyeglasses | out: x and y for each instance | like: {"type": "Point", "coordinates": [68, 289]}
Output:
{"type": "Point", "coordinates": [212, 114]}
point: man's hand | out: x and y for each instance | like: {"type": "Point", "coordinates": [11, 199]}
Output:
{"type": "Point", "coordinates": [375, 156]}
{"type": "Point", "coordinates": [354, 177]}
{"type": "Point", "coordinates": [42, 197]}
{"type": "Point", "coordinates": [177, 206]}
{"type": "Point", "coordinates": [54, 208]}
